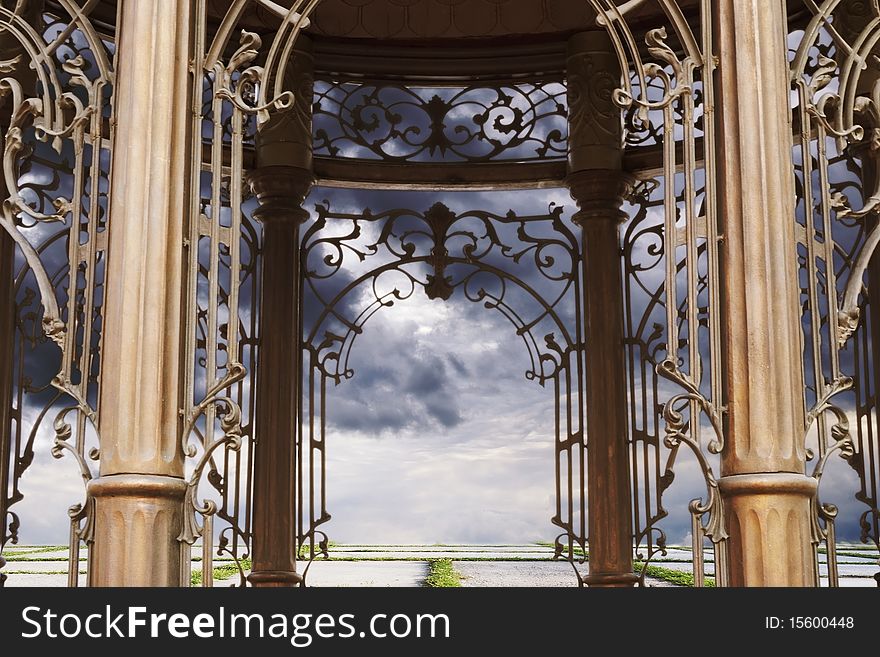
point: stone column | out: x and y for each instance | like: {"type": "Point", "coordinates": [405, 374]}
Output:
{"type": "Point", "coordinates": [281, 180]}
{"type": "Point", "coordinates": [598, 185]}
{"type": "Point", "coordinates": [139, 494]}
{"type": "Point", "coordinates": [765, 492]}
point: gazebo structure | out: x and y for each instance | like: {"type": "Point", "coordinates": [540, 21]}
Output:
{"type": "Point", "coordinates": [175, 314]}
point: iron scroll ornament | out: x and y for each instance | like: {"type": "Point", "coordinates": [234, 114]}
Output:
{"type": "Point", "coordinates": [56, 80]}
{"type": "Point", "coordinates": [405, 123]}
{"type": "Point", "coordinates": [526, 268]}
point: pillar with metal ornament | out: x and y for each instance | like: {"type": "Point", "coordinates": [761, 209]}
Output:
{"type": "Point", "coordinates": [281, 180]}
{"type": "Point", "coordinates": [138, 497]}
{"type": "Point", "coordinates": [765, 491]}
{"type": "Point", "coordinates": [598, 185]}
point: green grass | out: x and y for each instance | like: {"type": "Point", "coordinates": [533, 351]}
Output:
{"type": "Point", "coordinates": [870, 556]}
{"type": "Point", "coordinates": [42, 572]}
{"type": "Point", "coordinates": [548, 544]}
{"type": "Point", "coordinates": [36, 549]}
{"type": "Point", "coordinates": [441, 574]}
{"type": "Point", "coordinates": [673, 576]}
{"type": "Point", "coordinates": [14, 557]}
{"type": "Point", "coordinates": [225, 571]}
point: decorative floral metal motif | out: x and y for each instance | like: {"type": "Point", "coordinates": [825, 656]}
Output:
{"type": "Point", "coordinates": [56, 160]}
{"type": "Point", "coordinates": [223, 296]}
{"type": "Point", "coordinates": [525, 121]}
{"type": "Point", "coordinates": [670, 253]}
{"type": "Point", "coordinates": [527, 268]}
{"type": "Point", "coordinates": [55, 78]}
{"type": "Point", "coordinates": [836, 78]}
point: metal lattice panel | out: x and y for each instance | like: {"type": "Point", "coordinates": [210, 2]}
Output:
{"type": "Point", "coordinates": [526, 268]}
{"type": "Point", "coordinates": [56, 161]}
{"type": "Point", "coordinates": [405, 123]}
{"type": "Point", "coordinates": [835, 75]}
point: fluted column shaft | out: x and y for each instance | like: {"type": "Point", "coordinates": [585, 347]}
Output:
{"type": "Point", "coordinates": [765, 492]}
{"type": "Point", "coordinates": [281, 181]}
{"type": "Point", "coordinates": [598, 185]}
{"type": "Point", "coordinates": [139, 494]}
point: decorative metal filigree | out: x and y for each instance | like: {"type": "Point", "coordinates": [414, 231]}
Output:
{"type": "Point", "coordinates": [223, 293]}
{"type": "Point", "coordinates": [526, 268]}
{"type": "Point", "coordinates": [836, 77]}
{"type": "Point", "coordinates": [397, 123]}
{"type": "Point", "coordinates": [670, 249]}
{"type": "Point", "coordinates": [56, 79]}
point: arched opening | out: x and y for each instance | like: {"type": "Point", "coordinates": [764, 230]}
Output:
{"type": "Point", "coordinates": [445, 287]}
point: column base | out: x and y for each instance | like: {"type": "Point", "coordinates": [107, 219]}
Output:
{"type": "Point", "coordinates": [770, 528]}
{"type": "Point", "coordinates": [611, 580]}
{"type": "Point", "coordinates": [137, 521]}
{"type": "Point", "coordinates": [274, 578]}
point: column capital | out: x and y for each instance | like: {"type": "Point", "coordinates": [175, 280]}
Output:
{"type": "Point", "coordinates": [594, 120]}
{"type": "Point", "coordinates": [599, 194]}
{"type": "Point", "coordinates": [287, 137]}
{"type": "Point", "coordinates": [281, 191]}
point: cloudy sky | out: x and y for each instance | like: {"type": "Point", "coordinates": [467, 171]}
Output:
{"type": "Point", "coordinates": [438, 437]}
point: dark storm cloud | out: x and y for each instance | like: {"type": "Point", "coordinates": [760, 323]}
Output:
{"type": "Point", "coordinates": [439, 414]}
{"type": "Point", "coordinates": [457, 364]}
{"type": "Point", "coordinates": [427, 376]}
{"type": "Point", "coordinates": [419, 382]}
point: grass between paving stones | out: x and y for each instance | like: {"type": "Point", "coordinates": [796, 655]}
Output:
{"type": "Point", "coordinates": [40, 572]}
{"type": "Point", "coordinates": [576, 550]}
{"type": "Point", "coordinates": [12, 557]}
{"type": "Point", "coordinates": [870, 556]}
{"type": "Point", "coordinates": [35, 549]}
{"type": "Point", "coordinates": [226, 571]}
{"type": "Point", "coordinates": [672, 576]}
{"type": "Point", "coordinates": [441, 574]}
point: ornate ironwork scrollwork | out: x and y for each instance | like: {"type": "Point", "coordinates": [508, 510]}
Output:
{"type": "Point", "coordinates": [670, 249]}
{"type": "Point", "coordinates": [835, 74]}
{"type": "Point", "coordinates": [526, 268]}
{"type": "Point", "coordinates": [396, 123]}
{"type": "Point", "coordinates": [56, 82]}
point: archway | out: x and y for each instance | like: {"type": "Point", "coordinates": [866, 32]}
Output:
{"type": "Point", "coordinates": [526, 268]}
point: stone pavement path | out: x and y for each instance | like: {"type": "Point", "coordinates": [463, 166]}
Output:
{"type": "Point", "coordinates": [408, 565]}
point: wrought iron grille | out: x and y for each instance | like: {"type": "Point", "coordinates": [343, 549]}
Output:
{"type": "Point", "coordinates": [56, 146]}
{"type": "Point", "coordinates": [525, 121]}
{"type": "Point", "coordinates": [835, 76]}
{"type": "Point", "coordinates": [56, 149]}
{"type": "Point", "coordinates": [527, 268]}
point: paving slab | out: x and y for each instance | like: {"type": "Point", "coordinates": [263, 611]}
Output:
{"type": "Point", "coordinates": [16, 580]}
{"type": "Point", "coordinates": [367, 573]}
